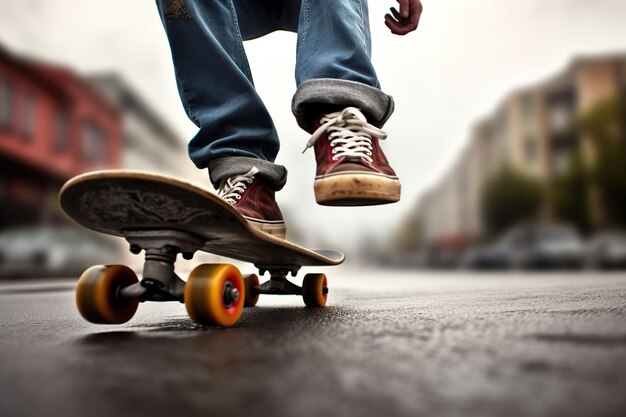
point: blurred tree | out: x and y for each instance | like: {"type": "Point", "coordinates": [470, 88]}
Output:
{"type": "Point", "coordinates": [569, 195]}
{"type": "Point", "coordinates": [509, 197]}
{"type": "Point", "coordinates": [605, 126]}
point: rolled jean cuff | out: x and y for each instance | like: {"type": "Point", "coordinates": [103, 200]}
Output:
{"type": "Point", "coordinates": [314, 95]}
{"type": "Point", "coordinates": [229, 166]}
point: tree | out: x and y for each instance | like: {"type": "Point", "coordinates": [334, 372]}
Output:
{"type": "Point", "coordinates": [605, 125]}
{"type": "Point", "coordinates": [508, 198]}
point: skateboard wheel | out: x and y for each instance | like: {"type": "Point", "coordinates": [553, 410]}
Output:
{"type": "Point", "coordinates": [97, 294]}
{"type": "Point", "coordinates": [214, 294]}
{"type": "Point", "coordinates": [315, 290]}
{"type": "Point", "coordinates": [251, 297]}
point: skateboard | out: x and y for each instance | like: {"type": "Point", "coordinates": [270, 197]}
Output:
{"type": "Point", "coordinates": [163, 217]}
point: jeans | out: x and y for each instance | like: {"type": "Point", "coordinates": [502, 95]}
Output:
{"type": "Point", "coordinates": [333, 69]}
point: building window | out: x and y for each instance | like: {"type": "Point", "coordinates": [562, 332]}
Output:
{"type": "Point", "coordinates": [562, 149]}
{"type": "Point", "coordinates": [530, 149]}
{"type": "Point", "coordinates": [27, 116]}
{"type": "Point", "coordinates": [61, 134]}
{"type": "Point", "coordinates": [94, 143]}
{"type": "Point", "coordinates": [6, 104]}
{"type": "Point", "coordinates": [560, 118]}
{"type": "Point", "coordinates": [561, 105]}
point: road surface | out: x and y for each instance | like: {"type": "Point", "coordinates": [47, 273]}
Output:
{"type": "Point", "coordinates": [390, 343]}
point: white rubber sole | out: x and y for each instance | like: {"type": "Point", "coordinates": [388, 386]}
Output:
{"type": "Point", "coordinates": [356, 189]}
{"type": "Point", "coordinates": [276, 229]}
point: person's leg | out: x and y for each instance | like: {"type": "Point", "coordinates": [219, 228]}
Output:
{"type": "Point", "coordinates": [340, 102]}
{"type": "Point", "coordinates": [333, 62]}
{"type": "Point", "coordinates": [215, 84]}
{"type": "Point", "coordinates": [237, 140]}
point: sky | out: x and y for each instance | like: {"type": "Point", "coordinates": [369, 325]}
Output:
{"type": "Point", "coordinates": [463, 59]}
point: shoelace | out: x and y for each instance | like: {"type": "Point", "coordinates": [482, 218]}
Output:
{"type": "Point", "coordinates": [232, 188]}
{"type": "Point", "coordinates": [349, 133]}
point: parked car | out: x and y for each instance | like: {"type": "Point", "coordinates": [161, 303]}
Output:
{"type": "Point", "coordinates": [547, 246]}
{"type": "Point", "coordinates": [607, 250]}
{"type": "Point", "coordinates": [530, 247]}
{"type": "Point", "coordinates": [53, 251]}
{"type": "Point", "coordinates": [488, 257]}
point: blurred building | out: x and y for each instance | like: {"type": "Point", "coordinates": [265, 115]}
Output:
{"type": "Point", "coordinates": [531, 130]}
{"type": "Point", "coordinates": [53, 125]}
{"type": "Point", "coordinates": [149, 144]}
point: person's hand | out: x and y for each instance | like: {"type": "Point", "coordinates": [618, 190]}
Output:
{"type": "Point", "coordinates": [406, 20]}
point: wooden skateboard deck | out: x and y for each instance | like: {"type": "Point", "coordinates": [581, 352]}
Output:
{"type": "Point", "coordinates": [123, 202]}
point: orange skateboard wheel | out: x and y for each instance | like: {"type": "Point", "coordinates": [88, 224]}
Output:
{"type": "Point", "coordinates": [214, 294]}
{"type": "Point", "coordinates": [97, 294]}
{"type": "Point", "coordinates": [251, 298]}
{"type": "Point", "coordinates": [315, 290]}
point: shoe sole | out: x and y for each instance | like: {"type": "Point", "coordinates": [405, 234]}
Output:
{"type": "Point", "coordinates": [275, 229]}
{"type": "Point", "coordinates": [351, 189]}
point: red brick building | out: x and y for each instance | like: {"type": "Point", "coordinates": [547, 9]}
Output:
{"type": "Point", "coordinates": [53, 125]}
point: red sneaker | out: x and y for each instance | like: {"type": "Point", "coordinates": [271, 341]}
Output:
{"type": "Point", "coordinates": [255, 200]}
{"type": "Point", "coordinates": [352, 169]}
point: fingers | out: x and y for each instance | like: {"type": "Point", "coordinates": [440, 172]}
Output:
{"type": "Point", "coordinates": [397, 23]}
{"type": "Point", "coordinates": [394, 26]}
{"type": "Point", "coordinates": [404, 8]}
{"type": "Point", "coordinates": [399, 27]}
{"type": "Point", "coordinates": [395, 13]}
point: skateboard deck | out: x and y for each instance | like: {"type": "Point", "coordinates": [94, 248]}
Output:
{"type": "Point", "coordinates": [127, 203]}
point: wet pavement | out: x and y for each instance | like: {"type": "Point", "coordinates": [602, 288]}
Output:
{"type": "Point", "coordinates": [389, 344]}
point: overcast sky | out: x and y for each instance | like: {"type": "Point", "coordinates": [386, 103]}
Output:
{"type": "Point", "coordinates": [464, 57]}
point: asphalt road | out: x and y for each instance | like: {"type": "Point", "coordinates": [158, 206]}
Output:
{"type": "Point", "coordinates": [389, 344]}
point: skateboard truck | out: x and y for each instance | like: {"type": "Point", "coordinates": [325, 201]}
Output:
{"type": "Point", "coordinates": [160, 282]}
{"type": "Point", "coordinates": [278, 282]}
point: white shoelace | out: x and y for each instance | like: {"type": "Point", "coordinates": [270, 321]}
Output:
{"type": "Point", "coordinates": [232, 188]}
{"type": "Point", "coordinates": [349, 133]}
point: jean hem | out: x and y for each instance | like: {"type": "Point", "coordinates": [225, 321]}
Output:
{"type": "Point", "coordinates": [311, 95]}
{"type": "Point", "coordinates": [229, 166]}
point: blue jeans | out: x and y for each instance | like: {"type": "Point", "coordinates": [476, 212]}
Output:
{"type": "Point", "coordinates": [333, 69]}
